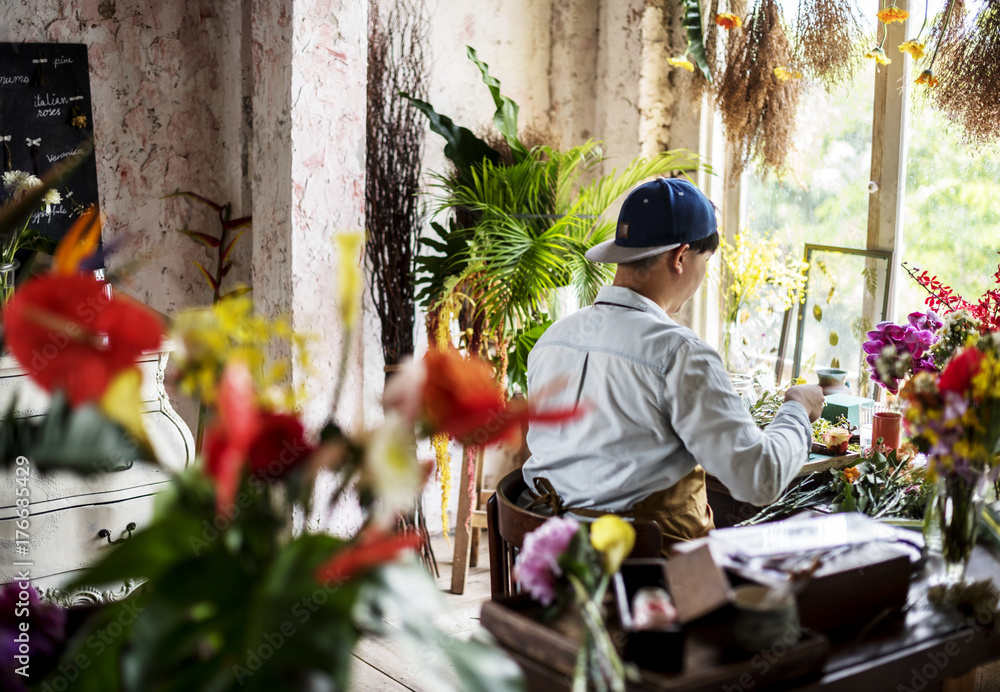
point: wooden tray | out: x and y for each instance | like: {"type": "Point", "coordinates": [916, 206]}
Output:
{"type": "Point", "coordinates": [548, 656]}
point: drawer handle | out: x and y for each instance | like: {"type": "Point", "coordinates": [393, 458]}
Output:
{"type": "Point", "coordinates": [104, 533]}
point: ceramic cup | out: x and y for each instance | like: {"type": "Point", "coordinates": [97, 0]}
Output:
{"type": "Point", "coordinates": [765, 619]}
{"type": "Point", "coordinates": [886, 424]}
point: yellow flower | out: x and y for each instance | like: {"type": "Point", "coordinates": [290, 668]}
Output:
{"type": "Point", "coordinates": [349, 280]}
{"type": "Point", "coordinates": [927, 77]}
{"type": "Point", "coordinates": [78, 121]}
{"type": "Point", "coordinates": [728, 21]}
{"type": "Point", "coordinates": [784, 74]}
{"type": "Point", "coordinates": [682, 61]}
{"type": "Point", "coordinates": [914, 48]}
{"type": "Point", "coordinates": [892, 14]}
{"type": "Point", "coordinates": [880, 57]}
{"type": "Point", "coordinates": [614, 538]}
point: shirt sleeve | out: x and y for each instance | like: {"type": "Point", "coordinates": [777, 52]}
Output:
{"type": "Point", "coordinates": [720, 433]}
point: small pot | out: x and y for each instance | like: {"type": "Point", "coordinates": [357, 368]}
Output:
{"type": "Point", "coordinates": [831, 381]}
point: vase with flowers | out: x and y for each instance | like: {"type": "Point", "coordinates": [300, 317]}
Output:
{"type": "Point", "coordinates": [954, 417]}
{"type": "Point", "coordinates": [566, 566]}
{"type": "Point", "coordinates": [18, 185]}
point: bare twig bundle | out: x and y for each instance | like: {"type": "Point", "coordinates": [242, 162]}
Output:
{"type": "Point", "coordinates": [968, 70]}
{"type": "Point", "coordinates": [829, 39]}
{"type": "Point", "coordinates": [758, 107]}
{"type": "Point", "coordinates": [395, 146]}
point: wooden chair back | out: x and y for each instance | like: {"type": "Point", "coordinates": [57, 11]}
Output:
{"type": "Point", "coordinates": [507, 525]}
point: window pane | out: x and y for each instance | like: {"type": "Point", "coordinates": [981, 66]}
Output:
{"type": "Point", "coordinates": [951, 221]}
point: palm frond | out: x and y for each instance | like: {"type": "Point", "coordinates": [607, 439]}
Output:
{"type": "Point", "coordinates": [602, 193]}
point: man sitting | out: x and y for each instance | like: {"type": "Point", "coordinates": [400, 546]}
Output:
{"type": "Point", "coordinates": [659, 409]}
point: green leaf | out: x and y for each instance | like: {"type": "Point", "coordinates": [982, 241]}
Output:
{"type": "Point", "coordinates": [817, 312]}
{"type": "Point", "coordinates": [696, 41]}
{"type": "Point", "coordinates": [462, 147]}
{"type": "Point", "coordinates": [835, 362]}
{"type": "Point", "coordinates": [834, 338]}
{"type": "Point", "coordinates": [505, 118]}
{"type": "Point", "coordinates": [520, 346]}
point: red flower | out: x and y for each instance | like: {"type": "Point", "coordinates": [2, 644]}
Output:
{"type": "Point", "coordinates": [271, 444]}
{"type": "Point", "coordinates": [71, 336]}
{"type": "Point", "coordinates": [960, 370]}
{"type": "Point", "coordinates": [375, 548]}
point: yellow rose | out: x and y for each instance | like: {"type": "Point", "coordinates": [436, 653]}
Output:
{"type": "Point", "coordinates": [613, 537]}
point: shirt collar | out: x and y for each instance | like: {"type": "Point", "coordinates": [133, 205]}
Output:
{"type": "Point", "coordinates": [629, 298]}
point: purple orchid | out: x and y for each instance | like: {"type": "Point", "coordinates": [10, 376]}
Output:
{"type": "Point", "coordinates": [896, 351]}
{"type": "Point", "coordinates": [538, 562]}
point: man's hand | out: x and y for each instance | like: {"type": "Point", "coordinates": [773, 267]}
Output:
{"type": "Point", "coordinates": [810, 396]}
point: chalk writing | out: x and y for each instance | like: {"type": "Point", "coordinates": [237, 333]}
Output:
{"type": "Point", "coordinates": [47, 112]}
{"type": "Point", "coordinates": [63, 61]}
{"type": "Point", "coordinates": [16, 79]}
{"type": "Point", "coordinates": [46, 100]}
{"type": "Point", "coordinates": [52, 158]}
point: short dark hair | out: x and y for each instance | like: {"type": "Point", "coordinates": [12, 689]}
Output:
{"type": "Point", "coordinates": [706, 244]}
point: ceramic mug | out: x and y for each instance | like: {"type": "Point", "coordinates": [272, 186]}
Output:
{"type": "Point", "coordinates": [765, 618]}
{"type": "Point", "coordinates": [886, 424]}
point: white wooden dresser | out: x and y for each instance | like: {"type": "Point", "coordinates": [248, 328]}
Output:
{"type": "Point", "coordinates": [74, 518]}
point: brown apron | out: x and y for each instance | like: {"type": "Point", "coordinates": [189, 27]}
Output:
{"type": "Point", "coordinates": [681, 511]}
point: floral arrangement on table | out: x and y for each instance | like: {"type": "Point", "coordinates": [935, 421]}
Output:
{"type": "Point", "coordinates": [954, 417]}
{"type": "Point", "coordinates": [756, 60]}
{"type": "Point", "coordinates": [234, 596]}
{"type": "Point", "coordinates": [884, 484]}
{"type": "Point", "coordinates": [757, 276]}
{"type": "Point", "coordinates": [566, 565]}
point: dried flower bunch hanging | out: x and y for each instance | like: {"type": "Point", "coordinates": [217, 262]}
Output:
{"type": "Point", "coordinates": [828, 37]}
{"type": "Point", "coordinates": [759, 91]}
{"type": "Point", "coordinates": [968, 70]}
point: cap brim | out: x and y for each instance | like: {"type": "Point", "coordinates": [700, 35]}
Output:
{"type": "Point", "coordinates": [609, 253]}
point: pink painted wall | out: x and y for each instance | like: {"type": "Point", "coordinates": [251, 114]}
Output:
{"type": "Point", "coordinates": [168, 113]}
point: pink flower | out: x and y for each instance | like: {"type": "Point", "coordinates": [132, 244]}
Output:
{"type": "Point", "coordinates": [537, 564]}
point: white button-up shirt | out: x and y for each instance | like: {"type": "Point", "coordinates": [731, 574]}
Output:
{"type": "Point", "coordinates": [658, 401]}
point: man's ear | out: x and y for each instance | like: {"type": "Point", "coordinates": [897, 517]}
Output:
{"type": "Point", "coordinates": [679, 258]}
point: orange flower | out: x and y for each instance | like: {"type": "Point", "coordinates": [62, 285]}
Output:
{"type": "Point", "coordinates": [72, 335]}
{"type": "Point", "coordinates": [852, 474]}
{"type": "Point", "coordinates": [375, 547]}
{"type": "Point", "coordinates": [459, 396]}
{"type": "Point", "coordinates": [728, 21]}
{"type": "Point", "coordinates": [927, 77]}
{"type": "Point", "coordinates": [79, 243]}
{"type": "Point", "coordinates": [892, 14]}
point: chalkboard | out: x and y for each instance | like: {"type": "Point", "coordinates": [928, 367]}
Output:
{"type": "Point", "coordinates": [45, 117]}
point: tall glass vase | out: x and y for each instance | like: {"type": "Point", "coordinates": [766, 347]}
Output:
{"type": "Point", "coordinates": [958, 505]}
{"type": "Point", "coordinates": [7, 275]}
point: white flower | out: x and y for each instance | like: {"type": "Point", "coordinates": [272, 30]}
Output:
{"type": "Point", "coordinates": [390, 469]}
{"type": "Point", "coordinates": [51, 197]}
{"type": "Point", "coordinates": [16, 183]}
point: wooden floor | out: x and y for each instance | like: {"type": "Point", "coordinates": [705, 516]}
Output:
{"type": "Point", "coordinates": [378, 666]}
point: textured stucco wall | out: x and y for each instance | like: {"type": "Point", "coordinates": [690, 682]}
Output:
{"type": "Point", "coordinates": [165, 80]}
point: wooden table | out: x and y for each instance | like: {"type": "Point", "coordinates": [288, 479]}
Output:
{"type": "Point", "coordinates": [922, 649]}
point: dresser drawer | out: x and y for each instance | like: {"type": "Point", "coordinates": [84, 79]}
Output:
{"type": "Point", "coordinates": [62, 490]}
{"type": "Point", "coordinates": [69, 539]}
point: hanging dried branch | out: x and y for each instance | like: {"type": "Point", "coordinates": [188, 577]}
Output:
{"type": "Point", "coordinates": [968, 71]}
{"type": "Point", "coordinates": [829, 39]}
{"type": "Point", "coordinates": [758, 108]}
{"type": "Point", "coordinates": [395, 146]}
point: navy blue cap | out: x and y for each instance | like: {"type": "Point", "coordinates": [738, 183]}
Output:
{"type": "Point", "coordinates": [657, 216]}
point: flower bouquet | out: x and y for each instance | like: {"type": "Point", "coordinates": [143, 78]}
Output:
{"type": "Point", "coordinates": [897, 351]}
{"type": "Point", "coordinates": [567, 566]}
{"type": "Point", "coordinates": [234, 596]}
{"type": "Point", "coordinates": [954, 417]}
